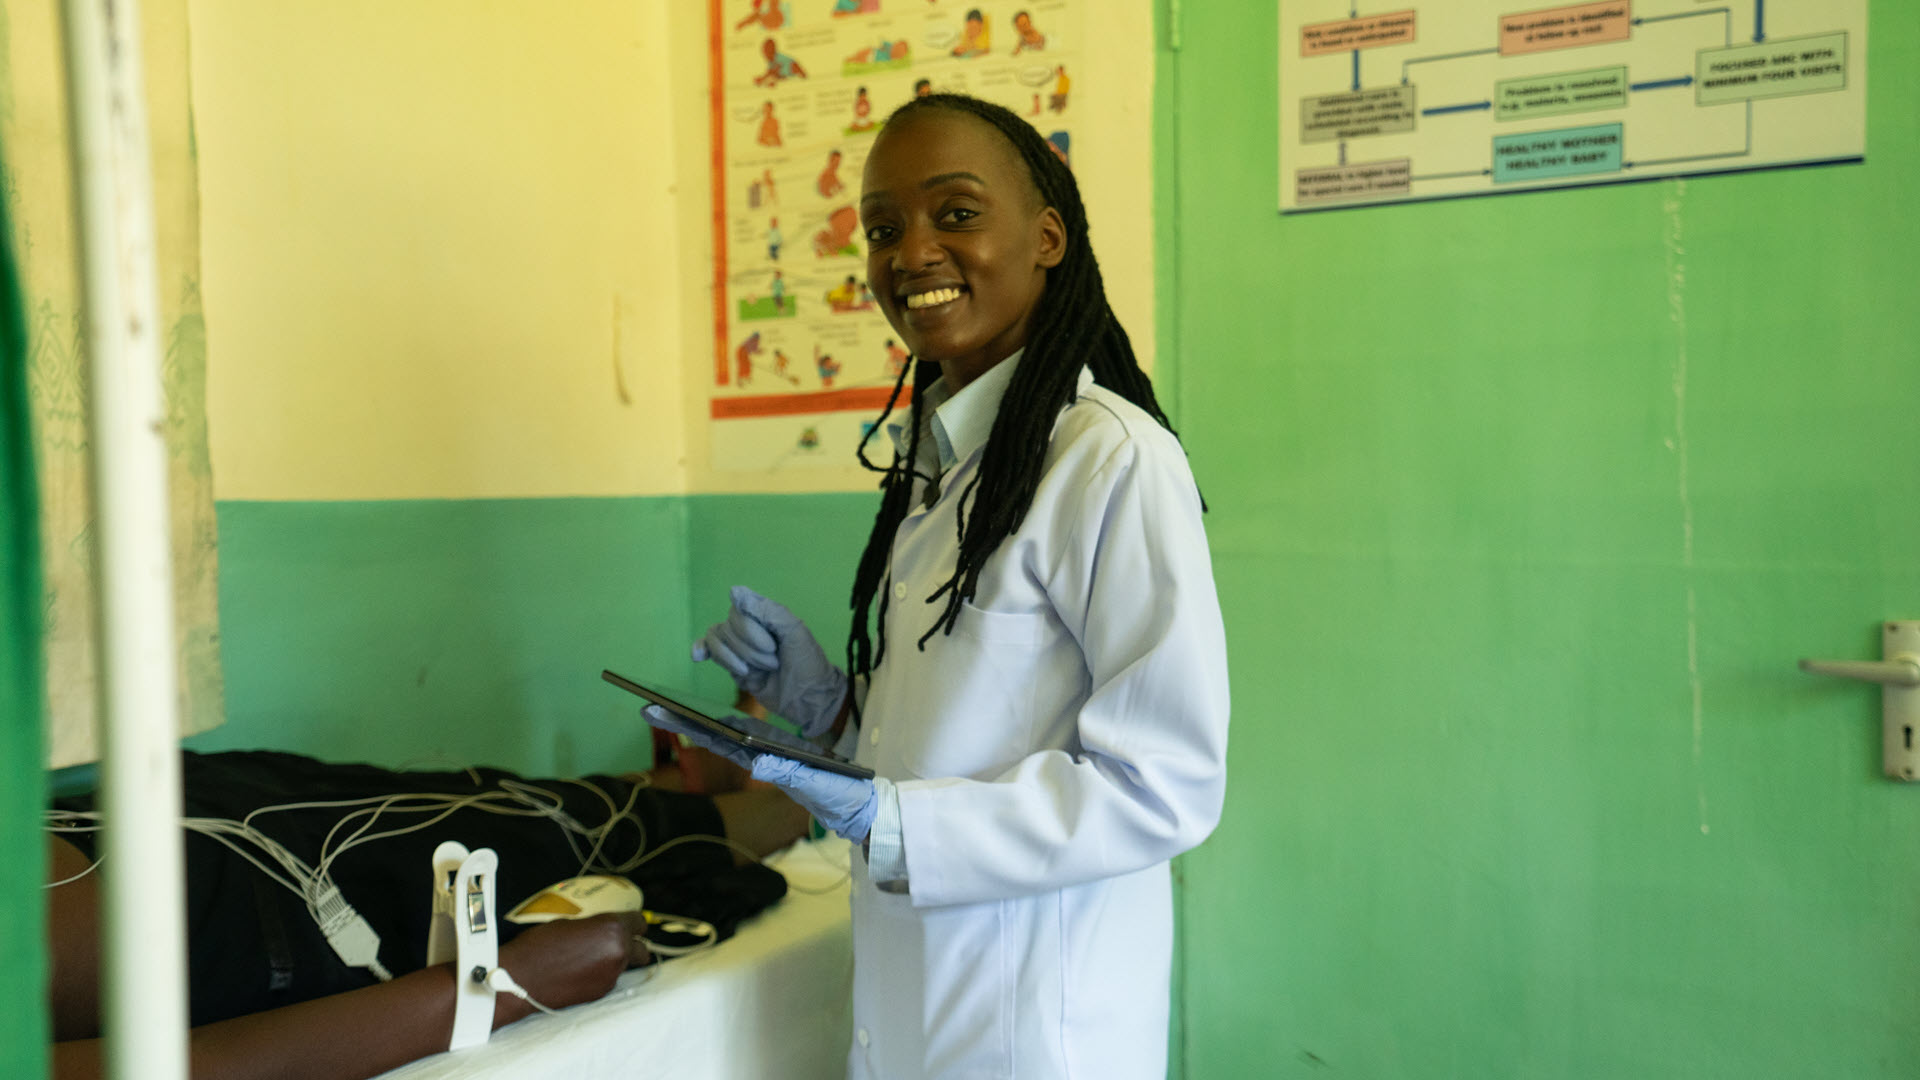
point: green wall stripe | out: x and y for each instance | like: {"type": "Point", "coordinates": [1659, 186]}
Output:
{"type": "Point", "coordinates": [449, 631]}
{"type": "Point", "coordinates": [475, 630]}
{"type": "Point", "coordinates": [799, 549]}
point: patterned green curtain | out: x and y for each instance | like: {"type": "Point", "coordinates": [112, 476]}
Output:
{"type": "Point", "coordinates": [19, 521]}
{"type": "Point", "coordinates": [39, 202]}
{"type": "Point", "coordinates": [21, 851]}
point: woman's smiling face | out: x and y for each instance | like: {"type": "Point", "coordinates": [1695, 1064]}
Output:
{"type": "Point", "coordinates": [958, 241]}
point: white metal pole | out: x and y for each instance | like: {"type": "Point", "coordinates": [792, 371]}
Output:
{"type": "Point", "coordinates": [143, 975]}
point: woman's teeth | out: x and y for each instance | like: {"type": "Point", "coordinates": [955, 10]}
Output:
{"type": "Point", "coordinates": [929, 299]}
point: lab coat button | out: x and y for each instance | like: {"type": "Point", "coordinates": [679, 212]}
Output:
{"type": "Point", "coordinates": [900, 590]}
{"type": "Point", "coordinates": [873, 737]}
{"type": "Point", "coordinates": [864, 1038]}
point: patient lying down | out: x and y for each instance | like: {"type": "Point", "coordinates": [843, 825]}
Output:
{"type": "Point", "coordinates": [268, 997]}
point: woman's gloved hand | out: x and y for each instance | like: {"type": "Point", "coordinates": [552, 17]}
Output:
{"type": "Point", "coordinates": [845, 804]}
{"type": "Point", "coordinates": [772, 655]}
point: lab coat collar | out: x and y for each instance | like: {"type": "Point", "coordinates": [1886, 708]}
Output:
{"type": "Point", "coordinates": [961, 422]}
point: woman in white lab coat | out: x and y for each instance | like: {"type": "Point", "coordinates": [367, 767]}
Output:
{"type": "Point", "coordinates": [1041, 688]}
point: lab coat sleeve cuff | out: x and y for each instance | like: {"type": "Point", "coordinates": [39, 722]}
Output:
{"type": "Point", "coordinates": [886, 853]}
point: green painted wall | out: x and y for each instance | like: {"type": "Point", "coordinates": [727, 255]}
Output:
{"type": "Point", "coordinates": [1523, 784]}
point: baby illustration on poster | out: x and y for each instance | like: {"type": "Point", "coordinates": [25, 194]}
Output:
{"type": "Point", "coordinates": [805, 85]}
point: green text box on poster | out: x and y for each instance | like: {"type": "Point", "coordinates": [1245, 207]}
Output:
{"type": "Point", "coordinates": [1766, 69]}
{"type": "Point", "coordinates": [1549, 155]}
{"type": "Point", "coordinates": [1377, 111]}
{"type": "Point", "coordinates": [1566, 92]}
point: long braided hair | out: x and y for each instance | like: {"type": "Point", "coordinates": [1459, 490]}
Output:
{"type": "Point", "coordinates": [1072, 325]}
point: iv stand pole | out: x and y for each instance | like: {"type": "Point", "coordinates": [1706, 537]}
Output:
{"type": "Point", "coordinates": [143, 976]}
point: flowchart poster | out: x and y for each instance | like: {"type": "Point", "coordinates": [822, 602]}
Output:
{"type": "Point", "coordinates": [1482, 97]}
{"type": "Point", "coordinates": [803, 359]}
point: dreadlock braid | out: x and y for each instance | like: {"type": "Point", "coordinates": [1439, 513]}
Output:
{"type": "Point", "coordinates": [896, 486]}
{"type": "Point", "coordinates": [1072, 325]}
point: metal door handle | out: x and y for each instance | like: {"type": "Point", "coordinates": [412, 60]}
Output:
{"type": "Point", "coordinates": [1899, 677]}
{"type": "Point", "coordinates": [1899, 671]}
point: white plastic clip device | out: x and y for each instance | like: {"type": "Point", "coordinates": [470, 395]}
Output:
{"type": "Point", "coordinates": [466, 931]}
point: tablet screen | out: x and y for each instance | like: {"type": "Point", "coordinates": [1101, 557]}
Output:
{"type": "Point", "coordinates": [792, 746]}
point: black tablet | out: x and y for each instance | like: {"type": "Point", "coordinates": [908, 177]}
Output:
{"type": "Point", "coordinates": [799, 750]}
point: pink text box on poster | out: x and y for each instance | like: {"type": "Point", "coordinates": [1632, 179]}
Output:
{"type": "Point", "coordinates": [1566, 27]}
{"type": "Point", "coordinates": [1366, 32]}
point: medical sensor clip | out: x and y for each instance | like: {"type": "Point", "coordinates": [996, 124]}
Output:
{"type": "Point", "coordinates": [466, 930]}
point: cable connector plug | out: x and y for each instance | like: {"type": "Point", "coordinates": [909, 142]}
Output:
{"type": "Point", "coordinates": [347, 931]}
{"type": "Point", "coordinates": [503, 983]}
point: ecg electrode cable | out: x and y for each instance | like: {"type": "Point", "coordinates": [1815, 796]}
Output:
{"type": "Point", "coordinates": [345, 929]}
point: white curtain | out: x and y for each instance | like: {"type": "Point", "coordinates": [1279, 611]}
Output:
{"type": "Point", "coordinates": [33, 136]}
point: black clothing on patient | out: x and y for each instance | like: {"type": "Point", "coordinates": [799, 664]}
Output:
{"type": "Point", "coordinates": [251, 945]}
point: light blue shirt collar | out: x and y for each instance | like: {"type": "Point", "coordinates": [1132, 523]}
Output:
{"type": "Point", "coordinates": [962, 422]}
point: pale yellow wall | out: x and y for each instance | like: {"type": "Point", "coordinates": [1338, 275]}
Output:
{"type": "Point", "coordinates": [439, 248]}
{"type": "Point", "coordinates": [1113, 161]}
{"type": "Point", "coordinates": [439, 239]}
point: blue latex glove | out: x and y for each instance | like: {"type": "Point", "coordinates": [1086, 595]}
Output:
{"type": "Point", "coordinates": [772, 655]}
{"type": "Point", "coordinates": [845, 804]}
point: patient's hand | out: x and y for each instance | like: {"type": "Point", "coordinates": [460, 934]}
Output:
{"type": "Point", "coordinates": [570, 961]}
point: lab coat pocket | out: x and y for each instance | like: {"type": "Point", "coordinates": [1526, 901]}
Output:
{"type": "Point", "coordinates": [969, 996]}
{"type": "Point", "coordinates": [1002, 627]}
{"type": "Point", "coordinates": [980, 680]}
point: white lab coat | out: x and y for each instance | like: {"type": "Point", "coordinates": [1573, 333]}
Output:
{"type": "Point", "coordinates": [1051, 755]}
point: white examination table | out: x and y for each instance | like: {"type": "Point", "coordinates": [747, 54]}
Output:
{"type": "Point", "coordinates": [775, 1000]}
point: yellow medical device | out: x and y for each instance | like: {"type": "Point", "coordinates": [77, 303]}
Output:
{"type": "Point", "coordinates": [578, 898]}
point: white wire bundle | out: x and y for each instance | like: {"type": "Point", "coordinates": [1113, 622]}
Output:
{"type": "Point", "coordinates": [346, 930]}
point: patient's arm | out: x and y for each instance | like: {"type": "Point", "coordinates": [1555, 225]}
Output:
{"type": "Point", "coordinates": [347, 1036]}
{"type": "Point", "coordinates": [365, 1032]}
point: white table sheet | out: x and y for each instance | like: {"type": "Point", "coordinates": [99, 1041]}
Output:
{"type": "Point", "coordinates": [775, 1000]}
